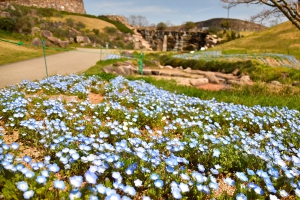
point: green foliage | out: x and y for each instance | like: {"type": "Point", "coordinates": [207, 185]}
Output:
{"type": "Point", "coordinates": [80, 25]}
{"type": "Point", "coordinates": [161, 26]}
{"type": "Point", "coordinates": [96, 31]}
{"type": "Point", "coordinates": [7, 24]}
{"type": "Point", "coordinates": [121, 27]}
{"type": "Point", "coordinates": [226, 24]}
{"type": "Point", "coordinates": [70, 22]}
{"type": "Point", "coordinates": [110, 30]}
{"type": "Point", "coordinates": [190, 25]}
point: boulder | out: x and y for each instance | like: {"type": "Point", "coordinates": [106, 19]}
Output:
{"type": "Point", "coordinates": [147, 72]}
{"type": "Point", "coordinates": [5, 14]}
{"type": "Point", "coordinates": [198, 81]}
{"type": "Point", "coordinates": [46, 34]}
{"type": "Point", "coordinates": [109, 69]}
{"type": "Point", "coordinates": [296, 83]}
{"type": "Point", "coordinates": [154, 72]}
{"type": "Point", "coordinates": [54, 40]}
{"type": "Point", "coordinates": [275, 83]}
{"type": "Point", "coordinates": [236, 72]}
{"type": "Point", "coordinates": [36, 42]}
{"type": "Point", "coordinates": [35, 30]}
{"type": "Point", "coordinates": [168, 67]}
{"type": "Point", "coordinates": [120, 70]}
{"type": "Point", "coordinates": [71, 40]}
{"type": "Point", "coordinates": [211, 77]}
{"type": "Point", "coordinates": [79, 39]}
{"type": "Point", "coordinates": [86, 40]}
{"type": "Point", "coordinates": [245, 79]}
{"type": "Point", "coordinates": [188, 70]}
{"type": "Point", "coordinates": [63, 44]}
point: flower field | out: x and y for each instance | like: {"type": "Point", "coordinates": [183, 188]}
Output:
{"type": "Point", "coordinates": [271, 59]}
{"type": "Point", "coordinates": [141, 142]}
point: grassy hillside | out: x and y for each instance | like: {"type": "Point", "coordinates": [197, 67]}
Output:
{"type": "Point", "coordinates": [283, 38]}
{"type": "Point", "coordinates": [90, 23]}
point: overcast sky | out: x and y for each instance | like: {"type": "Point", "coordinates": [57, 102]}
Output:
{"type": "Point", "coordinates": [175, 11]}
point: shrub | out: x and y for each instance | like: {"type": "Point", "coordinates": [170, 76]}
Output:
{"type": "Point", "coordinates": [110, 30]}
{"type": "Point", "coordinates": [7, 24]}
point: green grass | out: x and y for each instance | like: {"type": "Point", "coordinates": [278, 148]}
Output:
{"type": "Point", "coordinates": [258, 94]}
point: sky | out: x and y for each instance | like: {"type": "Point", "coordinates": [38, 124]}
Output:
{"type": "Point", "coordinates": [176, 11]}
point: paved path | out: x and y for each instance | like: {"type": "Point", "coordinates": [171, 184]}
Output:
{"type": "Point", "coordinates": [63, 64]}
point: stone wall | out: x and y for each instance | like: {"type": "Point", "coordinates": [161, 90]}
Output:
{"type": "Point", "coordinates": [175, 40]}
{"type": "Point", "coordinates": [76, 6]}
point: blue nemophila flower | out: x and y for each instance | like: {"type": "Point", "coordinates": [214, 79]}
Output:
{"type": "Point", "coordinates": [90, 177]}
{"type": "Point", "coordinates": [113, 196]}
{"type": "Point", "coordinates": [58, 184]}
{"type": "Point", "coordinates": [250, 172]}
{"type": "Point", "coordinates": [53, 168]}
{"type": "Point", "coordinates": [203, 188]}
{"type": "Point", "coordinates": [92, 197]}
{"type": "Point", "coordinates": [283, 193]}
{"type": "Point", "coordinates": [75, 194]}
{"type": "Point", "coordinates": [184, 187]}
{"type": "Point", "coordinates": [154, 176]}
{"type": "Point", "coordinates": [158, 183]}
{"type": "Point", "coordinates": [28, 194]}
{"type": "Point", "coordinates": [41, 179]}
{"type": "Point", "coordinates": [216, 153]}
{"type": "Point", "coordinates": [201, 168]}
{"type": "Point", "coordinates": [130, 190]}
{"type": "Point", "coordinates": [176, 193]}
{"type": "Point", "coordinates": [23, 186]}
{"type": "Point", "coordinates": [146, 198]}
{"type": "Point", "coordinates": [241, 196]}
{"type": "Point", "coordinates": [101, 188]}
{"type": "Point", "coordinates": [241, 176]}
{"type": "Point", "coordinates": [15, 146]}
{"type": "Point", "coordinates": [76, 181]}
{"type": "Point", "coordinates": [138, 183]}
{"type": "Point", "coordinates": [273, 197]}
{"type": "Point", "coordinates": [27, 159]}
{"type": "Point", "coordinates": [229, 181]}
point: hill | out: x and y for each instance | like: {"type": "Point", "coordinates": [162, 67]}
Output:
{"type": "Point", "coordinates": [283, 38]}
{"type": "Point", "coordinates": [234, 24]}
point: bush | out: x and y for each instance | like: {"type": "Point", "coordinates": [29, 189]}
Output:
{"type": "Point", "coordinates": [121, 27]}
{"type": "Point", "coordinates": [7, 24]}
{"type": "Point", "coordinates": [110, 30]}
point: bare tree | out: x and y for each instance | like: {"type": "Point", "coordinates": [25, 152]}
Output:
{"type": "Point", "coordinates": [137, 20]}
{"type": "Point", "coordinates": [276, 8]}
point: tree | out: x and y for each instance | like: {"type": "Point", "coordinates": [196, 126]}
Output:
{"type": "Point", "coordinates": [161, 26]}
{"type": "Point", "coordinates": [137, 20]}
{"type": "Point", "coordinates": [276, 8]}
{"type": "Point", "coordinates": [189, 25]}
{"type": "Point", "coordinates": [226, 24]}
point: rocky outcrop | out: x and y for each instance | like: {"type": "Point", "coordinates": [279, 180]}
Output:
{"type": "Point", "coordinates": [170, 40]}
{"type": "Point", "coordinates": [75, 6]}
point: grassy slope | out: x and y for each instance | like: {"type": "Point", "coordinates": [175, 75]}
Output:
{"type": "Point", "coordinates": [279, 39]}
{"type": "Point", "coordinates": [10, 53]}
{"type": "Point", "coordinates": [91, 23]}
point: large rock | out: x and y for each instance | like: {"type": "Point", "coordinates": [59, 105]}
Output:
{"type": "Point", "coordinates": [36, 42]}
{"type": "Point", "coordinates": [198, 81]}
{"type": "Point", "coordinates": [109, 69]}
{"type": "Point", "coordinates": [63, 44]}
{"type": "Point", "coordinates": [54, 40]}
{"type": "Point", "coordinates": [5, 14]}
{"type": "Point", "coordinates": [168, 67]}
{"type": "Point", "coordinates": [46, 34]}
{"type": "Point", "coordinates": [79, 39]}
{"type": "Point", "coordinates": [86, 40]}
{"type": "Point", "coordinates": [211, 78]}
{"type": "Point", "coordinates": [245, 79]}
{"type": "Point", "coordinates": [35, 31]}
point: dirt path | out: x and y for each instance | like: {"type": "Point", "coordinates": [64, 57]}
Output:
{"type": "Point", "coordinates": [63, 64]}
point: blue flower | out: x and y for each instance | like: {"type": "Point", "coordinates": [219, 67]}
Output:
{"type": "Point", "coordinates": [241, 176]}
{"type": "Point", "coordinates": [41, 179]}
{"type": "Point", "coordinates": [158, 183]}
{"type": "Point", "coordinates": [201, 168]}
{"type": "Point", "coordinates": [58, 184]}
{"type": "Point", "coordinates": [241, 196]}
{"type": "Point", "coordinates": [53, 168]}
{"type": "Point", "coordinates": [184, 187]}
{"type": "Point", "coordinates": [138, 183]}
{"type": "Point", "coordinates": [113, 196]}
{"type": "Point", "coordinates": [154, 176]}
{"type": "Point", "coordinates": [216, 153]}
{"type": "Point", "coordinates": [76, 181]}
{"type": "Point", "coordinates": [92, 197]}
{"type": "Point", "coordinates": [90, 177]}
{"type": "Point", "coordinates": [229, 181]}
{"type": "Point", "coordinates": [15, 146]}
{"type": "Point", "coordinates": [27, 159]}
{"type": "Point", "coordinates": [130, 190]}
{"type": "Point", "coordinates": [23, 186]}
{"type": "Point", "coordinates": [28, 194]}
{"type": "Point", "coordinates": [75, 194]}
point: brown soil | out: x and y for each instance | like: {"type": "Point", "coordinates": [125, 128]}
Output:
{"type": "Point", "coordinates": [95, 98]}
